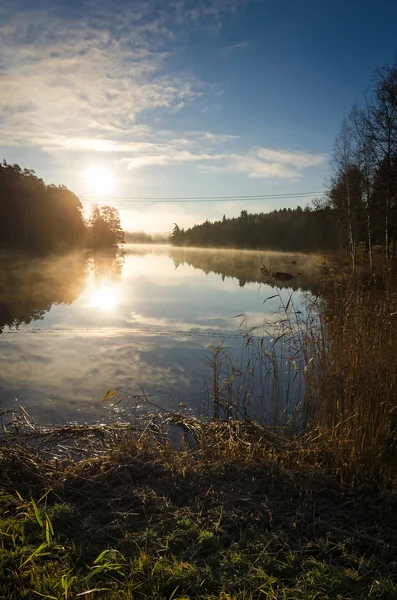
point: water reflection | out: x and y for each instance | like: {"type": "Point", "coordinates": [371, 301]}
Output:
{"type": "Point", "coordinates": [107, 267]}
{"type": "Point", "coordinates": [246, 266]}
{"type": "Point", "coordinates": [105, 271]}
{"type": "Point", "coordinates": [104, 297]}
{"type": "Point", "coordinates": [143, 319]}
{"type": "Point", "coordinates": [62, 376]}
{"type": "Point", "coordinates": [28, 289]}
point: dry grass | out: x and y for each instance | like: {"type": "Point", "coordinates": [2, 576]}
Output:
{"type": "Point", "coordinates": [351, 391]}
{"type": "Point", "coordinates": [237, 510]}
{"type": "Point", "coordinates": [331, 373]}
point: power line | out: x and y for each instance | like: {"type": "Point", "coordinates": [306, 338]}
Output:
{"type": "Point", "coordinates": [182, 199]}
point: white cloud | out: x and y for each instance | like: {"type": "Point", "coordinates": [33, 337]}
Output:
{"type": "Point", "coordinates": [164, 159]}
{"type": "Point", "coordinates": [265, 163]}
{"type": "Point", "coordinates": [258, 163]}
{"type": "Point", "coordinates": [295, 159]}
{"type": "Point", "coordinates": [218, 138]}
{"type": "Point", "coordinates": [177, 151]}
{"type": "Point", "coordinates": [92, 69]}
{"type": "Point", "coordinates": [80, 82]}
{"type": "Point", "coordinates": [83, 76]}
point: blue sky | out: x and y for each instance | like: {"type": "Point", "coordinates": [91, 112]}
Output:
{"type": "Point", "coordinates": [185, 98]}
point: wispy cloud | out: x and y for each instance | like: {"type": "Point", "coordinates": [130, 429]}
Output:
{"type": "Point", "coordinates": [294, 159]}
{"type": "Point", "coordinates": [210, 152]}
{"type": "Point", "coordinates": [265, 163]}
{"type": "Point", "coordinates": [235, 47]}
{"type": "Point", "coordinates": [89, 79]}
{"type": "Point", "coordinates": [88, 73]}
{"type": "Point", "coordinates": [218, 138]}
{"type": "Point", "coordinates": [258, 163]}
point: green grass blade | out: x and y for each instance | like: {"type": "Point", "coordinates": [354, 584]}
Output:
{"type": "Point", "coordinates": [37, 552]}
{"type": "Point", "coordinates": [37, 513]}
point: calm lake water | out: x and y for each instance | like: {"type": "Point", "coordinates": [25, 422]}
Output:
{"type": "Point", "coordinates": [74, 327]}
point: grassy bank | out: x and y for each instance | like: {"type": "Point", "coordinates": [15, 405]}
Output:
{"type": "Point", "coordinates": [238, 511]}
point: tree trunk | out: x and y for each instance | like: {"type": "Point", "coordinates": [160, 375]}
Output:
{"type": "Point", "coordinates": [369, 237]}
{"type": "Point", "coordinates": [352, 246]}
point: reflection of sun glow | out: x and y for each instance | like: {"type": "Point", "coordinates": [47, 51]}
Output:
{"type": "Point", "coordinates": [103, 297]}
{"type": "Point", "coordinates": [99, 179]}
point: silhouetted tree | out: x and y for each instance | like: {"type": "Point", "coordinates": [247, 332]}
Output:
{"type": "Point", "coordinates": [365, 159]}
{"type": "Point", "coordinates": [383, 126]}
{"type": "Point", "coordinates": [35, 217]}
{"type": "Point", "coordinates": [177, 235]}
{"type": "Point", "coordinates": [105, 230]}
{"type": "Point", "coordinates": [345, 193]}
{"type": "Point", "coordinates": [41, 219]}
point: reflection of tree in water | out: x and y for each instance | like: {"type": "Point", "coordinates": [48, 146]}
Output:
{"type": "Point", "coordinates": [29, 288]}
{"type": "Point", "coordinates": [176, 261]}
{"type": "Point", "coordinates": [107, 266]}
{"type": "Point", "coordinates": [245, 266]}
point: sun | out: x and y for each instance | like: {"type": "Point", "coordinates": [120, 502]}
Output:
{"type": "Point", "coordinates": [99, 179]}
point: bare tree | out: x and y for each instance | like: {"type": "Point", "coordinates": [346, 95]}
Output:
{"type": "Point", "coordinates": [341, 192]}
{"type": "Point", "coordinates": [383, 132]}
{"type": "Point", "coordinates": [365, 158]}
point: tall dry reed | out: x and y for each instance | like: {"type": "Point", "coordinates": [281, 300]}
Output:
{"type": "Point", "coordinates": [351, 385]}
{"type": "Point", "coordinates": [331, 373]}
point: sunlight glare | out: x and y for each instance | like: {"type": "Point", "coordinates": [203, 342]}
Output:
{"type": "Point", "coordinates": [99, 179]}
{"type": "Point", "coordinates": [104, 297]}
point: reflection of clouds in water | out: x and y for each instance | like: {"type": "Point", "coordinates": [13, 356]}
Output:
{"type": "Point", "coordinates": [75, 371]}
{"type": "Point", "coordinates": [198, 323]}
{"type": "Point", "coordinates": [75, 368]}
{"type": "Point", "coordinates": [153, 294]}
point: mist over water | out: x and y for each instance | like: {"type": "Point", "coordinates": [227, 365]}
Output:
{"type": "Point", "coordinates": [75, 326]}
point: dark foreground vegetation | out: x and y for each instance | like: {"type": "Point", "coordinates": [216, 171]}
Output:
{"type": "Point", "coordinates": [239, 511]}
{"type": "Point", "coordinates": [41, 219]}
{"type": "Point", "coordinates": [359, 209]}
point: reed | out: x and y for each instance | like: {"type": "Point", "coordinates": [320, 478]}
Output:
{"type": "Point", "coordinates": [331, 373]}
{"type": "Point", "coordinates": [263, 377]}
{"type": "Point", "coordinates": [351, 391]}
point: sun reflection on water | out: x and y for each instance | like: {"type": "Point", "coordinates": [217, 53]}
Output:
{"type": "Point", "coordinates": [103, 297]}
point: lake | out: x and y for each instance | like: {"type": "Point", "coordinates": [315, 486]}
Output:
{"type": "Point", "coordinates": [145, 323]}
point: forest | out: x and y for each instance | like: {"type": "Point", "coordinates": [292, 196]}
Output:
{"type": "Point", "coordinates": [290, 230]}
{"type": "Point", "coordinates": [41, 219]}
{"type": "Point", "coordinates": [359, 206]}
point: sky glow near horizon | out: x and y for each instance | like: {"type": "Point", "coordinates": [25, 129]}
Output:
{"type": "Point", "coordinates": [184, 98]}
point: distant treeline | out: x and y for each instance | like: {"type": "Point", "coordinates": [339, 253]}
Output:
{"type": "Point", "coordinates": [359, 208]}
{"type": "Point", "coordinates": [41, 219]}
{"type": "Point", "coordinates": [140, 237]}
{"type": "Point", "coordinates": [292, 230]}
